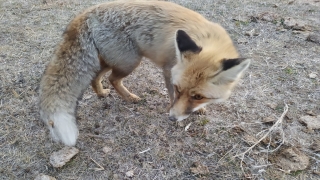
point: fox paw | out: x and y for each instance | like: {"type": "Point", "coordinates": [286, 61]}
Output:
{"type": "Point", "coordinates": [201, 111]}
{"type": "Point", "coordinates": [133, 98]}
{"type": "Point", "coordinates": [104, 93]}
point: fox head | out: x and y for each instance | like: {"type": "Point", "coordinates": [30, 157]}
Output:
{"type": "Point", "coordinates": [203, 75]}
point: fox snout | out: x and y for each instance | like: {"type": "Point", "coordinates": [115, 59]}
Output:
{"type": "Point", "coordinates": [179, 111]}
{"type": "Point", "coordinates": [174, 117]}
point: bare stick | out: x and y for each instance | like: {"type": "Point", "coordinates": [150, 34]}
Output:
{"type": "Point", "coordinates": [101, 168]}
{"type": "Point", "coordinates": [275, 126]}
{"type": "Point", "coordinates": [95, 136]}
{"type": "Point", "coordinates": [129, 110]}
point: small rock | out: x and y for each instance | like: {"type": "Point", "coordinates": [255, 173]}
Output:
{"type": "Point", "coordinates": [164, 92]}
{"type": "Point", "coordinates": [313, 75]}
{"type": "Point", "coordinates": [312, 122]}
{"type": "Point", "coordinates": [291, 159]}
{"type": "Point", "coordinates": [282, 30]}
{"type": "Point", "coordinates": [115, 177]}
{"type": "Point", "coordinates": [242, 19]}
{"type": "Point", "coordinates": [152, 107]}
{"type": "Point", "coordinates": [106, 149]}
{"type": "Point", "coordinates": [44, 177]}
{"type": "Point", "coordinates": [314, 37]}
{"type": "Point", "coordinates": [251, 33]}
{"type": "Point", "coordinates": [295, 24]}
{"type": "Point", "coordinates": [242, 41]}
{"type": "Point", "coordinates": [130, 173]}
{"type": "Point", "coordinates": [60, 158]}
{"type": "Point", "coordinates": [199, 169]}
{"type": "Point", "coordinates": [87, 96]}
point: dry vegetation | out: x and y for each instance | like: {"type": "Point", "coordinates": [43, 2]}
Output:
{"type": "Point", "coordinates": [282, 38]}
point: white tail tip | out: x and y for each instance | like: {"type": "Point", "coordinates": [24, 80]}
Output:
{"type": "Point", "coordinates": [64, 128]}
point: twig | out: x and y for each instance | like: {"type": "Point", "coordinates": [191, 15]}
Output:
{"type": "Point", "coordinates": [276, 125]}
{"type": "Point", "coordinates": [129, 110]}
{"type": "Point", "coordinates": [144, 151]}
{"type": "Point", "coordinates": [95, 136]}
{"type": "Point", "coordinates": [101, 168]}
{"type": "Point", "coordinates": [227, 152]}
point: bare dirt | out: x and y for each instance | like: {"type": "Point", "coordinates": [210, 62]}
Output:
{"type": "Point", "coordinates": [120, 140]}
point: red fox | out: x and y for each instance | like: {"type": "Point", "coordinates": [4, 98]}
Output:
{"type": "Point", "coordinates": [199, 61]}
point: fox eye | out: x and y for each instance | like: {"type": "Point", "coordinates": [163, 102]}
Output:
{"type": "Point", "coordinates": [197, 97]}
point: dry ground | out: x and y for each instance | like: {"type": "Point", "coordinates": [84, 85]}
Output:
{"type": "Point", "coordinates": [283, 59]}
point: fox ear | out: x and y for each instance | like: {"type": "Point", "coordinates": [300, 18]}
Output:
{"type": "Point", "coordinates": [232, 69]}
{"type": "Point", "coordinates": [184, 43]}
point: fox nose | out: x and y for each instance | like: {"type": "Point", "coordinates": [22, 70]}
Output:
{"type": "Point", "coordinates": [172, 118]}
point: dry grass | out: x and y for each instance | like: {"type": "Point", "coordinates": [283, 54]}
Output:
{"type": "Point", "coordinates": [278, 75]}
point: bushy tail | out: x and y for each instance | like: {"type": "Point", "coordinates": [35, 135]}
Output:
{"type": "Point", "coordinates": [63, 82]}
{"type": "Point", "coordinates": [62, 126]}
{"type": "Point", "coordinates": [61, 86]}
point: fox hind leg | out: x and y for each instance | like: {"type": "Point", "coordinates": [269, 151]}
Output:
{"type": "Point", "coordinates": [116, 77]}
{"type": "Point", "coordinates": [96, 82]}
{"type": "Point", "coordinates": [97, 85]}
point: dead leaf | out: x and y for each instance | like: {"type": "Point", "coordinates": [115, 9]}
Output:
{"type": "Point", "coordinates": [316, 172]}
{"type": "Point", "coordinates": [237, 129]}
{"type": "Point", "coordinates": [250, 140]}
{"type": "Point", "coordinates": [311, 113]}
{"type": "Point", "coordinates": [272, 105]}
{"type": "Point", "coordinates": [312, 122]}
{"type": "Point", "coordinates": [60, 158]}
{"type": "Point", "coordinates": [301, 34]}
{"type": "Point", "coordinates": [269, 119]}
{"type": "Point", "coordinates": [267, 16]}
{"type": "Point", "coordinates": [291, 159]}
{"type": "Point", "coordinates": [199, 169]}
{"type": "Point", "coordinates": [15, 94]}
{"type": "Point", "coordinates": [266, 141]}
